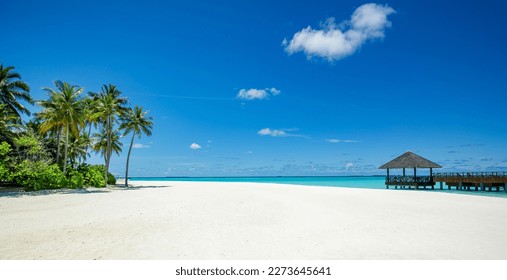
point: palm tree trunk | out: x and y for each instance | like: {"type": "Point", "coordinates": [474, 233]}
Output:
{"type": "Point", "coordinates": [107, 168]}
{"type": "Point", "coordinates": [66, 148]}
{"type": "Point", "coordinates": [105, 175]}
{"type": "Point", "coordinates": [89, 146]}
{"type": "Point", "coordinates": [89, 129]}
{"type": "Point", "coordinates": [59, 138]}
{"type": "Point", "coordinates": [109, 130]}
{"type": "Point", "coordinates": [128, 158]}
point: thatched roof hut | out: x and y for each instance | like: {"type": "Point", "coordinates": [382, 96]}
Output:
{"type": "Point", "coordinates": [409, 160]}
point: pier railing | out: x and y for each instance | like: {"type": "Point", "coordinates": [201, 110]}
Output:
{"type": "Point", "coordinates": [471, 177]}
{"type": "Point", "coordinates": [408, 180]}
{"type": "Point", "coordinates": [484, 181]}
{"type": "Point", "coordinates": [471, 174]}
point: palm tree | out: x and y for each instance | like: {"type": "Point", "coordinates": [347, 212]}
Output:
{"type": "Point", "coordinates": [90, 110]}
{"type": "Point", "coordinates": [78, 149]}
{"type": "Point", "coordinates": [46, 140]}
{"type": "Point", "coordinates": [51, 121]}
{"type": "Point", "coordinates": [12, 89]}
{"type": "Point", "coordinates": [109, 106]}
{"type": "Point", "coordinates": [137, 122]}
{"type": "Point", "coordinates": [67, 112]}
{"type": "Point", "coordinates": [8, 122]}
{"type": "Point", "coordinates": [91, 119]}
{"type": "Point", "coordinates": [29, 145]}
{"type": "Point", "coordinates": [101, 145]}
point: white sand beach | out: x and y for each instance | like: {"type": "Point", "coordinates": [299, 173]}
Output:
{"type": "Point", "coordinates": [199, 220]}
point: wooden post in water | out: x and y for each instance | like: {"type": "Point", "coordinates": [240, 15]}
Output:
{"type": "Point", "coordinates": [415, 179]}
{"type": "Point", "coordinates": [403, 177]}
{"type": "Point", "coordinates": [441, 185]}
{"type": "Point", "coordinates": [387, 179]}
{"type": "Point", "coordinates": [431, 179]}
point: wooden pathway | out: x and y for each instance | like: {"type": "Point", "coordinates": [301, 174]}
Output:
{"type": "Point", "coordinates": [468, 181]}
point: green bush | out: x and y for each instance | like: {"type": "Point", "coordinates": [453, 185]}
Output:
{"type": "Point", "coordinates": [75, 180]}
{"type": "Point", "coordinates": [93, 175]}
{"type": "Point", "coordinates": [39, 175]}
{"type": "Point", "coordinates": [111, 180]}
{"type": "Point", "coordinates": [5, 173]}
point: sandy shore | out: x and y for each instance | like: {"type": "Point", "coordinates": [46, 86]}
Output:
{"type": "Point", "coordinates": [189, 220]}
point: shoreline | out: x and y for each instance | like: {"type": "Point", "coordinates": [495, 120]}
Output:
{"type": "Point", "coordinates": [214, 220]}
{"type": "Point", "coordinates": [292, 180]}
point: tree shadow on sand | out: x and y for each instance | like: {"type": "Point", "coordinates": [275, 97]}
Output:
{"type": "Point", "coordinates": [133, 188]}
{"type": "Point", "coordinates": [19, 192]}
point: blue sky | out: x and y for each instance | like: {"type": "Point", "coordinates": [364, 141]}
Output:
{"type": "Point", "coordinates": [281, 87]}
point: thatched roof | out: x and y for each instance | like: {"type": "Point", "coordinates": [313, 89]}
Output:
{"type": "Point", "coordinates": [410, 160]}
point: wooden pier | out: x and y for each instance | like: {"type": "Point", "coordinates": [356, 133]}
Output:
{"type": "Point", "coordinates": [473, 181]}
{"type": "Point", "coordinates": [464, 181]}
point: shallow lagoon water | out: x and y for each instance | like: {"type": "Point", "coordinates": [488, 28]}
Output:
{"type": "Point", "coordinates": [363, 182]}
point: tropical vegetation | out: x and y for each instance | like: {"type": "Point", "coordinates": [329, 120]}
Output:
{"type": "Point", "coordinates": [49, 151]}
{"type": "Point", "coordinates": [12, 90]}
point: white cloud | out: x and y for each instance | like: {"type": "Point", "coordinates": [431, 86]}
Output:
{"type": "Point", "coordinates": [274, 91]}
{"type": "Point", "coordinates": [334, 42]}
{"type": "Point", "coordinates": [195, 146]}
{"type": "Point", "coordinates": [340, 141]}
{"type": "Point", "coordinates": [286, 132]}
{"type": "Point", "coordinates": [140, 146]}
{"type": "Point", "coordinates": [252, 94]}
{"type": "Point", "coordinates": [349, 165]}
{"type": "Point", "coordinates": [272, 132]}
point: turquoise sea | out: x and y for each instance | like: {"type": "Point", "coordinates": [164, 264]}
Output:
{"type": "Point", "coordinates": [368, 182]}
{"type": "Point", "coordinates": [364, 182]}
